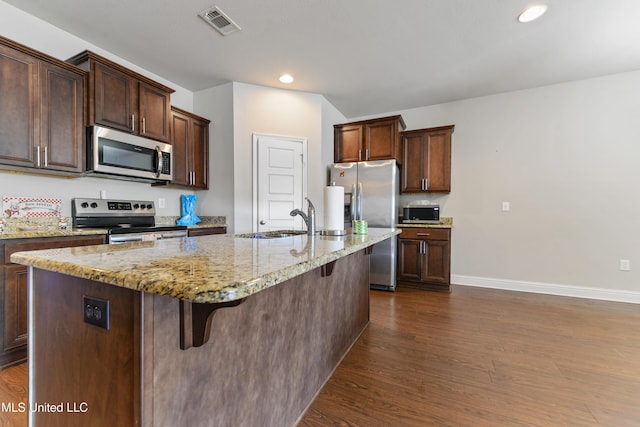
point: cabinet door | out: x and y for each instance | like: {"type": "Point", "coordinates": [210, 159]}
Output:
{"type": "Point", "coordinates": [15, 306]}
{"type": "Point", "coordinates": [18, 101]}
{"type": "Point", "coordinates": [435, 268]}
{"type": "Point", "coordinates": [154, 112]}
{"type": "Point", "coordinates": [62, 133]}
{"type": "Point", "coordinates": [409, 259]}
{"type": "Point", "coordinates": [347, 143]}
{"type": "Point", "coordinates": [438, 159]}
{"type": "Point", "coordinates": [179, 141]}
{"type": "Point", "coordinates": [195, 232]}
{"type": "Point", "coordinates": [380, 139]}
{"type": "Point", "coordinates": [412, 163]}
{"type": "Point", "coordinates": [200, 154]}
{"type": "Point", "coordinates": [115, 98]}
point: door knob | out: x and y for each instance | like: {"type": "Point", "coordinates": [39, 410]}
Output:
{"type": "Point", "coordinates": [262, 222]}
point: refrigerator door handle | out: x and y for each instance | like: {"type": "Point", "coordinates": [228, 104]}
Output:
{"type": "Point", "coordinates": [360, 200]}
{"type": "Point", "coordinates": [354, 202]}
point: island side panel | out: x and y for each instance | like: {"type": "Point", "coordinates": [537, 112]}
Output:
{"type": "Point", "coordinates": [92, 372]}
{"type": "Point", "coordinates": [266, 358]}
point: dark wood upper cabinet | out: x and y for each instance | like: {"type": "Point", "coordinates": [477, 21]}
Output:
{"type": "Point", "coordinates": [41, 111]}
{"type": "Point", "coordinates": [190, 141]}
{"type": "Point", "coordinates": [426, 160]}
{"type": "Point", "coordinates": [375, 139]}
{"type": "Point", "coordinates": [122, 99]}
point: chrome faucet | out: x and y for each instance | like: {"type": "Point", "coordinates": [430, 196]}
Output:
{"type": "Point", "coordinates": [309, 218]}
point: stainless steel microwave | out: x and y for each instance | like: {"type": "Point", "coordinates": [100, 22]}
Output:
{"type": "Point", "coordinates": [422, 214]}
{"type": "Point", "coordinates": [123, 155]}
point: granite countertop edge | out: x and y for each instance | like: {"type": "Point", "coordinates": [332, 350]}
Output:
{"type": "Point", "coordinates": [167, 282]}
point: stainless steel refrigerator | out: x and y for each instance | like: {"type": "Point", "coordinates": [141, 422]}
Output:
{"type": "Point", "coordinates": [371, 192]}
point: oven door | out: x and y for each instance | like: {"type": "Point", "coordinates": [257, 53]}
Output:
{"type": "Point", "coordinates": [118, 153]}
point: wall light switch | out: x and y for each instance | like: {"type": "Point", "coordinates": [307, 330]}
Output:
{"type": "Point", "coordinates": [625, 265]}
{"type": "Point", "coordinates": [506, 206]}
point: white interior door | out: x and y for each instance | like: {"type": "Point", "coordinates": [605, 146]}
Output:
{"type": "Point", "coordinates": [279, 181]}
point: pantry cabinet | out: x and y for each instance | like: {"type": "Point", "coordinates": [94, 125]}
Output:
{"type": "Point", "coordinates": [13, 291]}
{"type": "Point", "coordinates": [122, 99]}
{"type": "Point", "coordinates": [41, 111]}
{"type": "Point", "coordinates": [424, 258]}
{"type": "Point", "coordinates": [376, 139]}
{"type": "Point", "coordinates": [190, 141]}
{"type": "Point", "coordinates": [426, 155]}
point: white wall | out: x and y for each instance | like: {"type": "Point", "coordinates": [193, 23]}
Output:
{"type": "Point", "coordinates": [567, 158]}
{"type": "Point", "coordinates": [217, 104]}
{"type": "Point", "coordinates": [258, 109]}
{"type": "Point", "coordinates": [37, 34]}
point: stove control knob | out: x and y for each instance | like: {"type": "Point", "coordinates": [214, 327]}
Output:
{"type": "Point", "coordinates": [136, 206]}
{"type": "Point", "coordinates": [84, 205]}
{"type": "Point", "coordinates": [94, 205]}
{"type": "Point", "coordinates": [149, 206]}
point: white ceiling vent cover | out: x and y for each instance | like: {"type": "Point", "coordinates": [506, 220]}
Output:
{"type": "Point", "coordinates": [219, 20]}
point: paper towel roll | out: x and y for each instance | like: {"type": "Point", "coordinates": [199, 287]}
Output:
{"type": "Point", "coordinates": [334, 208]}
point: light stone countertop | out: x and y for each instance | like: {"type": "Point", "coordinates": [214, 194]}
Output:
{"type": "Point", "coordinates": [39, 228]}
{"type": "Point", "coordinates": [205, 269]}
{"type": "Point", "coordinates": [445, 222]}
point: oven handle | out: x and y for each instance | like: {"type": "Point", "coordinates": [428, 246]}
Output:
{"type": "Point", "coordinates": [123, 238]}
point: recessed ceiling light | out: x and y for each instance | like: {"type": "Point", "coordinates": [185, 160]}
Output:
{"type": "Point", "coordinates": [532, 13]}
{"type": "Point", "coordinates": [286, 78]}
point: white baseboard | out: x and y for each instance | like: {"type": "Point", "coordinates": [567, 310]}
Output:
{"type": "Point", "coordinates": [548, 288]}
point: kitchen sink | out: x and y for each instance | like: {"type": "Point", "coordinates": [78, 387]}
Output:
{"type": "Point", "coordinates": [278, 234]}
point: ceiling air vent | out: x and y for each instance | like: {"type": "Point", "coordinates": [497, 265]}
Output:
{"type": "Point", "coordinates": [218, 20]}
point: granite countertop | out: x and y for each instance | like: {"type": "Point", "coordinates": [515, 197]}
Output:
{"type": "Point", "coordinates": [33, 229]}
{"type": "Point", "coordinates": [446, 222]}
{"type": "Point", "coordinates": [206, 269]}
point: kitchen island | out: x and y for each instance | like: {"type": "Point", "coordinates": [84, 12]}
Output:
{"type": "Point", "coordinates": [213, 330]}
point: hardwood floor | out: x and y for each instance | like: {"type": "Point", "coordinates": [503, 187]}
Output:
{"type": "Point", "coordinates": [13, 393]}
{"type": "Point", "coordinates": [483, 357]}
{"type": "Point", "coordinates": [474, 357]}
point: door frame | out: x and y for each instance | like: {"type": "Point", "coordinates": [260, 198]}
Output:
{"type": "Point", "coordinates": [256, 140]}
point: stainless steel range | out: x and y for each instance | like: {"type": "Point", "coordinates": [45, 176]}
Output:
{"type": "Point", "coordinates": [126, 220]}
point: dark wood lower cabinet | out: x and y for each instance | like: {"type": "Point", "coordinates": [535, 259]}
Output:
{"type": "Point", "coordinates": [424, 256]}
{"type": "Point", "coordinates": [13, 292]}
{"type": "Point", "coordinates": [205, 231]}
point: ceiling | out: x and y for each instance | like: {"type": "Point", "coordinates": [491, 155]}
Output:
{"type": "Point", "coordinates": [365, 56]}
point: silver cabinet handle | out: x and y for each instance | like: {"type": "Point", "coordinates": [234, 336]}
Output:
{"type": "Point", "coordinates": [144, 126]}
{"type": "Point", "coordinates": [359, 154]}
{"type": "Point", "coordinates": [46, 160]}
{"type": "Point", "coordinates": [426, 183]}
{"type": "Point", "coordinates": [423, 234]}
{"type": "Point", "coordinates": [366, 154]}
{"type": "Point", "coordinates": [38, 156]}
{"type": "Point", "coordinates": [133, 123]}
{"type": "Point", "coordinates": [262, 222]}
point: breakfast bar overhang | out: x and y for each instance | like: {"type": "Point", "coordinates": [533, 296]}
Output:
{"type": "Point", "coordinates": [213, 330]}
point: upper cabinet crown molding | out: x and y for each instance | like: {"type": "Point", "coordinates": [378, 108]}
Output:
{"type": "Point", "coordinates": [83, 59]}
{"type": "Point", "coordinates": [374, 139]}
{"type": "Point", "coordinates": [125, 100]}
